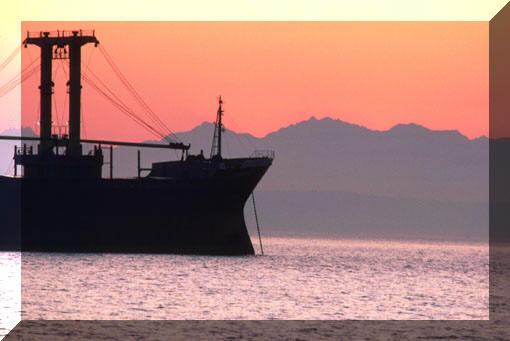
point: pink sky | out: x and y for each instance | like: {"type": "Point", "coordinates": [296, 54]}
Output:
{"type": "Point", "coordinates": [272, 74]}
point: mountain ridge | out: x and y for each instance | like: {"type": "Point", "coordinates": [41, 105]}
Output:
{"type": "Point", "coordinates": [28, 131]}
{"type": "Point", "coordinates": [406, 161]}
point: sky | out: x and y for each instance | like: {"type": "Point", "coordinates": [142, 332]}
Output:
{"type": "Point", "coordinates": [271, 74]}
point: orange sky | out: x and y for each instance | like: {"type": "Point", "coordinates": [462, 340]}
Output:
{"type": "Point", "coordinates": [273, 74]}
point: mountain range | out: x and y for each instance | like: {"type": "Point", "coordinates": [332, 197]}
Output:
{"type": "Point", "coordinates": [407, 161]}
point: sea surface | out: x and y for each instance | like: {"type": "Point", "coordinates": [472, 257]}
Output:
{"type": "Point", "coordinates": [10, 290]}
{"type": "Point", "coordinates": [296, 279]}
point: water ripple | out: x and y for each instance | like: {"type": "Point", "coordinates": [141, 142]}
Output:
{"type": "Point", "coordinates": [296, 279]}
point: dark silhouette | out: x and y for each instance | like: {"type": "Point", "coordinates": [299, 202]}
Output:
{"type": "Point", "coordinates": [62, 203]}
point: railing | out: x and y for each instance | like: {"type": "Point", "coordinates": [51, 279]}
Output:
{"type": "Point", "coordinates": [59, 34]}
{"type": "Point", "coordinates": [263, 154]}
{"type": "Point", "coordinates": [24, 150]}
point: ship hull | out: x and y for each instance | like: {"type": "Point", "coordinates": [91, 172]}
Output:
{"type": "Point", "coordinates": [203, 215]}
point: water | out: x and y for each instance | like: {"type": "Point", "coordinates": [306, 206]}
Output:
{"type": "Point", "coordinates": [10, 291]}
{"type": "Point", "coordinates": [296, 279]}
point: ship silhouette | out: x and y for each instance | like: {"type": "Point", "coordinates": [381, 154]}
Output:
{"type": "Point", "coordinates": [60, 202]}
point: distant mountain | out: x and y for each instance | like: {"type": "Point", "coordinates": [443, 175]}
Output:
{"type": "Point", "coordinates": [407, 161]}
{"type": "Point", "coordinates": [24, 131]}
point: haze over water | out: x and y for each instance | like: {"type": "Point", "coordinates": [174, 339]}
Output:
{"type": "Point", "coordinates": [296, 279]}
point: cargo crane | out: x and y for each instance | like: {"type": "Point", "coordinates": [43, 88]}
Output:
{"type": "Point", "coordinates": [48, 161]}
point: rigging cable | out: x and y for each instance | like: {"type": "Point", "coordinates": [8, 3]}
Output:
{"type": "Point", "coordinates": [83, 120]}
{"type": "Point", "coordinates": [257, 221]}
{"type": "Point", "coordinates": [62, 63]}
{"type": "Point", "coordinates": [10, 58]}
{"type": "Point", "coordinates": [22, 76]}
{"type": "Point", "coordinates": [16, 80]}
{"type": "Point", "coordinates": [81, 102]}
{"type": "Point", "coordinates": [130, 88]}
{"type": "Point", "coordinates": [123, 107]}
{"type": "Point", "coordinates": [54, 97]}
{"type": "Point", "coordinates": [115, 98]}
{"type": "Point", "coordinates": [135, 94]}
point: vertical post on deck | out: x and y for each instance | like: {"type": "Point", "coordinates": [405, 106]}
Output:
{"type": "Point", "coordinates": [74, 93]}
{"type": "Point", "coordinates": [15, 162]}
{"type": "Point", "coordinates": [111, 162]}
{"type": "Point", "coordinates": [138, 162]}
{"type": "Point", "coordinates": [46, 91]}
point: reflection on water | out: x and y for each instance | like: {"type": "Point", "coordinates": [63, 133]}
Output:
{"type": "Point", "coordinates": [296, 279]}
{"type": "Point", "coordinates": [10, 291]}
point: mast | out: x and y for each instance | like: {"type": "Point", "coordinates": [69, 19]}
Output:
{"type": "Point", "coordinates": [75, 44]}
{"type": "Point", "coordinates": [218, 128]}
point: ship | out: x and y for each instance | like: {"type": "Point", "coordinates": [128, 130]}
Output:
{"type": "Point", "coordinates": [59, 200]}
